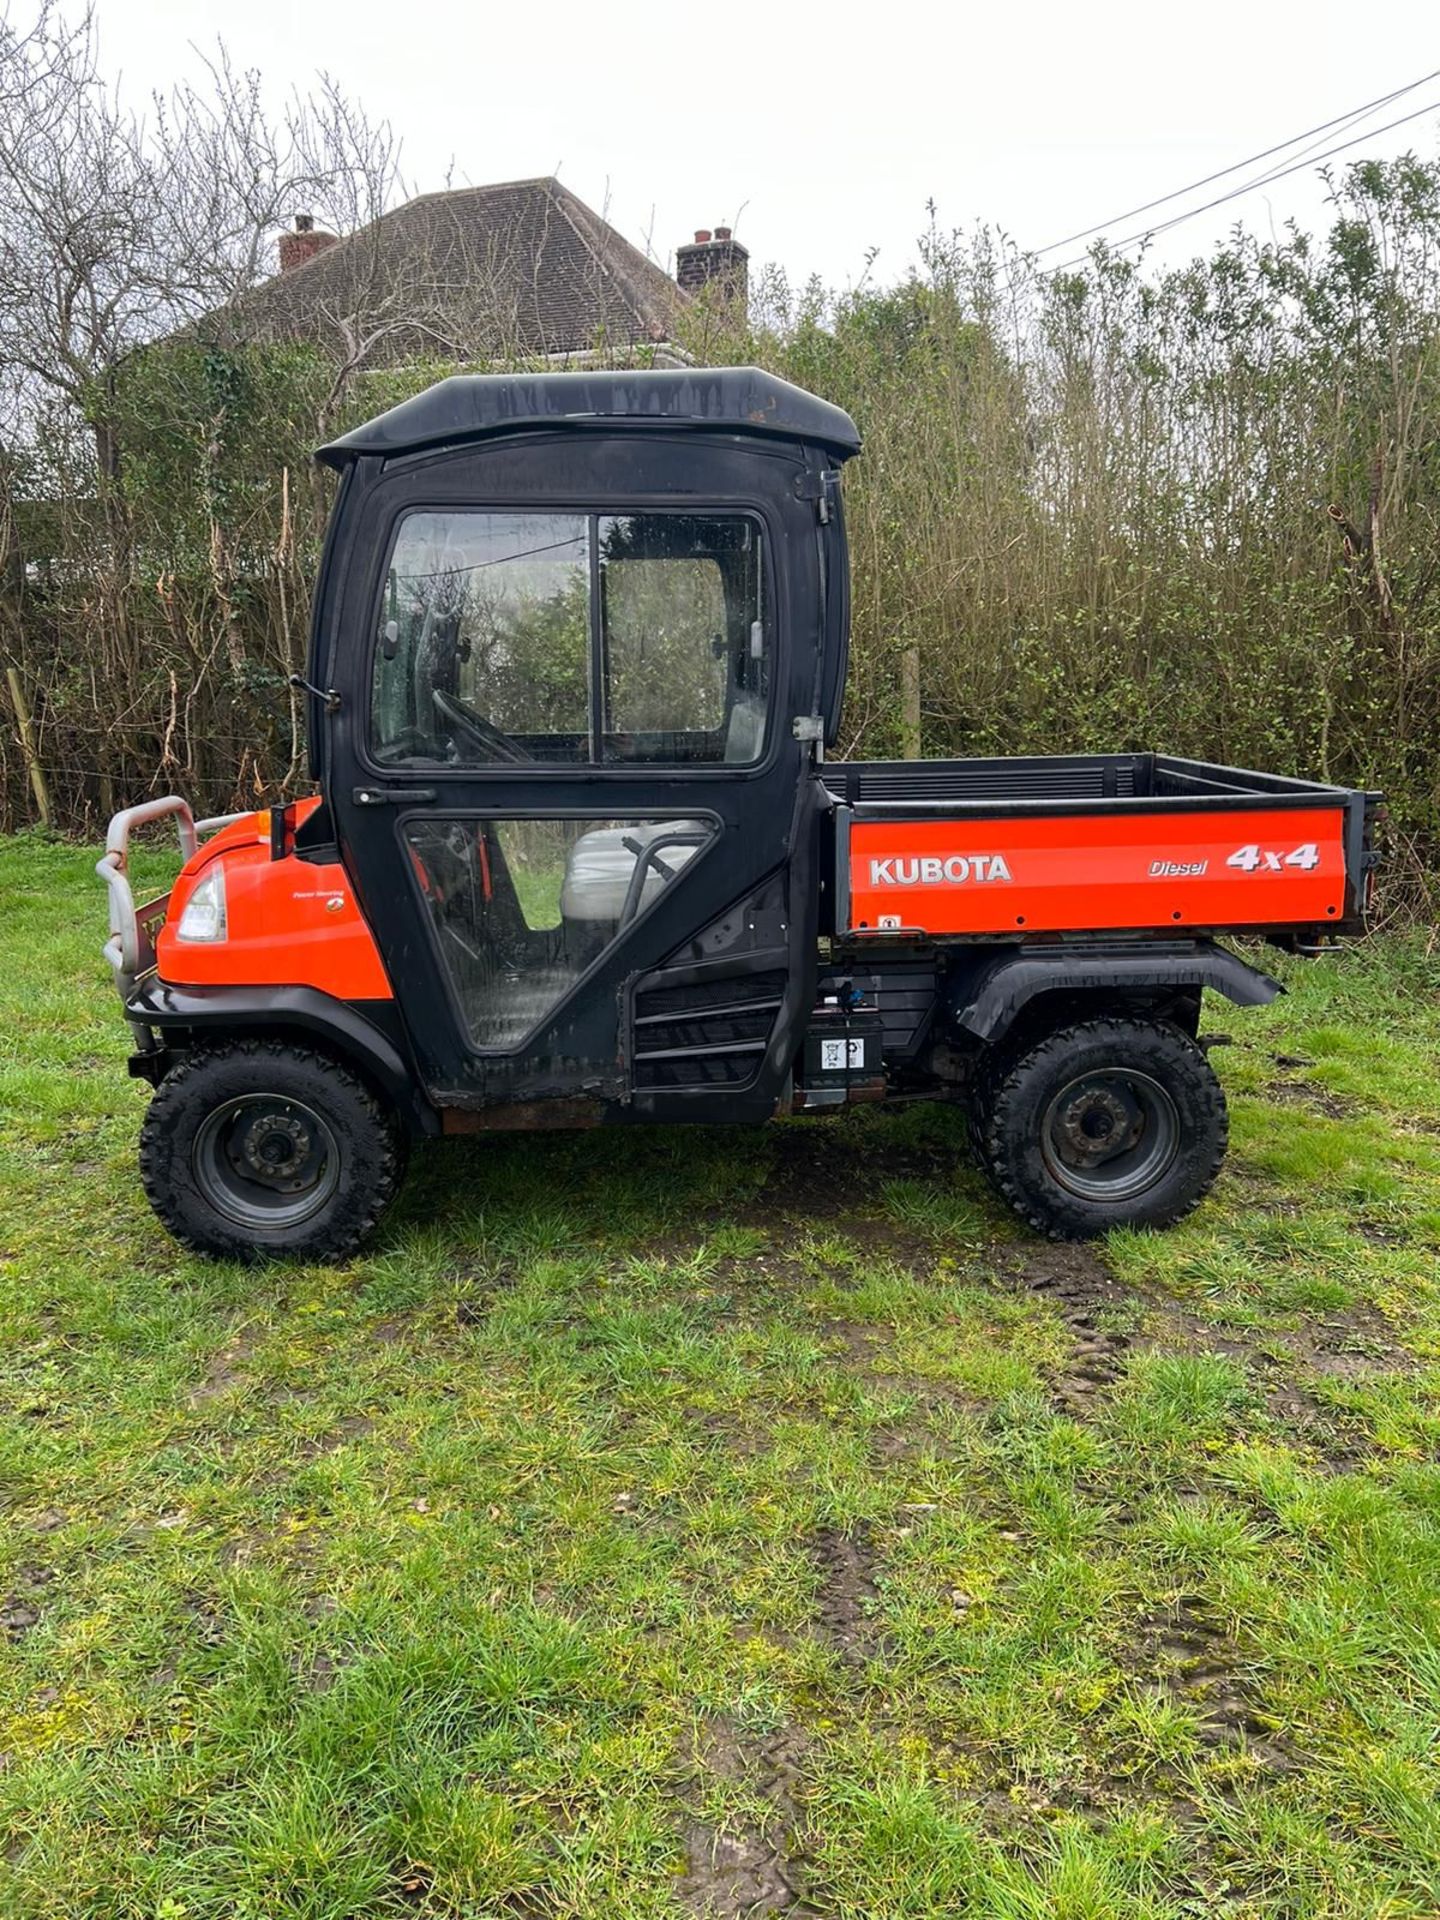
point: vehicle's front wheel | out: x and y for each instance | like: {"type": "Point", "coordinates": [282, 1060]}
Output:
{"type": "Point", "coordinates": [1103, 1124]}
{"type": "Point", "coordinates": [261, 1148]}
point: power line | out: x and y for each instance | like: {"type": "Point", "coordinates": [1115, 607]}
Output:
{"type": "Point", "coordinates": [1250, 186]}
{"type": "Point", "coordinates": [1326, 126]}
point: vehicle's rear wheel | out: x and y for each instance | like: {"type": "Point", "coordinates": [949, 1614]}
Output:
{"type": "Point", "coordinates": [1104, 1124]}
{"type": "Point", "coordinates": [262, 1148]}
{"type": "Point", "coordinates": [989, 1070]}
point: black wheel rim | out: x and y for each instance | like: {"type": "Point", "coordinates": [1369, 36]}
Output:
{"type": "Point", "coordinates": [266, 1161]}
{"type": "Point", "coordinates": [1110, 1135]}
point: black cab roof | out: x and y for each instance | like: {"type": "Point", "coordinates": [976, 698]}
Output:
{"type": "Point", "coordinates": [469, 406]}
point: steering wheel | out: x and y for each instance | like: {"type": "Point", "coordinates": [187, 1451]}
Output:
{"type": "Point", "coordinates": [498, 745]}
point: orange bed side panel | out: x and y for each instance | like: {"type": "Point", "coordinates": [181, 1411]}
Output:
{"type": "Point", "coordinates": [289, 923]}
{"type": "Point", "coordinates": [1093, 872]}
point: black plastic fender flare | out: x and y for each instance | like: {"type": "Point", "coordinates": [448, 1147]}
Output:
{"type": "Point", "coordinates": [351, 1029]}
{"type": "Point", "coordinates": [989, 999]}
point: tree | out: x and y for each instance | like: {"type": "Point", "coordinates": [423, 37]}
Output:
{"type": "Point", "coordinates": [116, 230]}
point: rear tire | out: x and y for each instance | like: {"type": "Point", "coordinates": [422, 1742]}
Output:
{"type": "Point", "coordinates": [261, 1149]}
{"type": "Point", "coordinates": [991, 1067]}
{"type": "Point", "coordinates": [1107, 1123]}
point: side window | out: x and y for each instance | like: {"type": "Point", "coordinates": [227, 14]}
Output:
{"type": "Point", "coordinates": [484, 639]}
{"type": "Point", "coordinates": [685, 647]}
{"type": "Point", "coordinates": [492, 648]}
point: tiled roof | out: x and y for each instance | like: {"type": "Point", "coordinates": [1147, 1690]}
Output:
{"type": "Point", "coordinates": [517, 270]}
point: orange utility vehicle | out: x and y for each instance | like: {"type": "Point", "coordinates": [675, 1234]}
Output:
{"type": "Point", "coordinates": [577, 857]}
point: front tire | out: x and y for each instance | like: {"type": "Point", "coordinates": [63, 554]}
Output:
{"type": "Point", "coordinates": [1107, 1123]}
{"type": "Point", "coordinates": [261, 1148]}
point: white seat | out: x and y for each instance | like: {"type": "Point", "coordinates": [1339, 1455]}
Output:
{"type": "Point", "coordinates": [600, 867]}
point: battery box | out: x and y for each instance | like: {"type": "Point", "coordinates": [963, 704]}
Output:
{"type": "Point", "coordinates": [842, 1058]}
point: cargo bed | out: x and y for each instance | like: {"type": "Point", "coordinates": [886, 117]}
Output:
{"type": "Point", "coordinates": [1093, 843]}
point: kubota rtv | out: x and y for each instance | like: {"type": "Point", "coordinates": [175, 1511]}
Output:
{"type": "Point", "coordinates": [577, 858]}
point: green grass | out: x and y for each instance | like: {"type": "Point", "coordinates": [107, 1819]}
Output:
{"type": "Point", "coordinates": [650, 1522]}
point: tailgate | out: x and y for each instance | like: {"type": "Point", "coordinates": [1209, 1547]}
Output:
{"type": "Point", "coordinates": [1298, 862]}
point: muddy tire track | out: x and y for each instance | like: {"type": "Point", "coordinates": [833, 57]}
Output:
{"type": "Point", "coordinates": [747, 1870]}
{"type": "Point", "coordinates": [847, 1604]}
{"type": "Point", "coordinates": [1191, 1659]}
{"type": "Point", "coordinates": [1074, 1281]}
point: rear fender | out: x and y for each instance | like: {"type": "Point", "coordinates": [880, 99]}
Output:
{"type": "Point", "coordinates": [184, 1017]}
{"type": "Point", "coordinates": [990, 1001]}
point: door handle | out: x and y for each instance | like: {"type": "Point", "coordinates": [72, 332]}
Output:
{"type": "Point", "coordinates": [392, 796]}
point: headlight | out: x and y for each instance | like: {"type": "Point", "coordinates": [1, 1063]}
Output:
{"type": "Point", "coordinates": [204, 915]}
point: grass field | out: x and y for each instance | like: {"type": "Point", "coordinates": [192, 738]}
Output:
{"type": "Point", "coordinates": [666, 1524]}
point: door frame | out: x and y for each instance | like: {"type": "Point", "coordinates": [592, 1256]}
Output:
{"type": "Point", "coordinates": [579, 1049]}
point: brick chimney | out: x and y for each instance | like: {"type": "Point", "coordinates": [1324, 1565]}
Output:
{"type": "Point", "coordinates": [304, 243]}
{"type": "Point", "coordinates": [715, 259]}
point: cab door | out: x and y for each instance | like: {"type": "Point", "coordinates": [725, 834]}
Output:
{"type": "Point", "coordinates": [563, 771]}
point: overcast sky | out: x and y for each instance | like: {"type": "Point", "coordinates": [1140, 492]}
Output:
{"type": "Point", "coordinates": [821, 132]}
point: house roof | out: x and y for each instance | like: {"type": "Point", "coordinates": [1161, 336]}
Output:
{"type": "Point", "coordinates": [470, 406]}
{"type": "Point", "coordinates": [516, 270]}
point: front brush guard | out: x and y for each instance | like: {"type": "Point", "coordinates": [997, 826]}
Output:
{"type": "Point", "coordinates": [131, 946]}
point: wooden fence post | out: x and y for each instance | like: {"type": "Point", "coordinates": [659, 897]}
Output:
{"type": "Point", "coordinates": [910, 703]}
{"type": "Point", "coordinates": [27, 746]}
